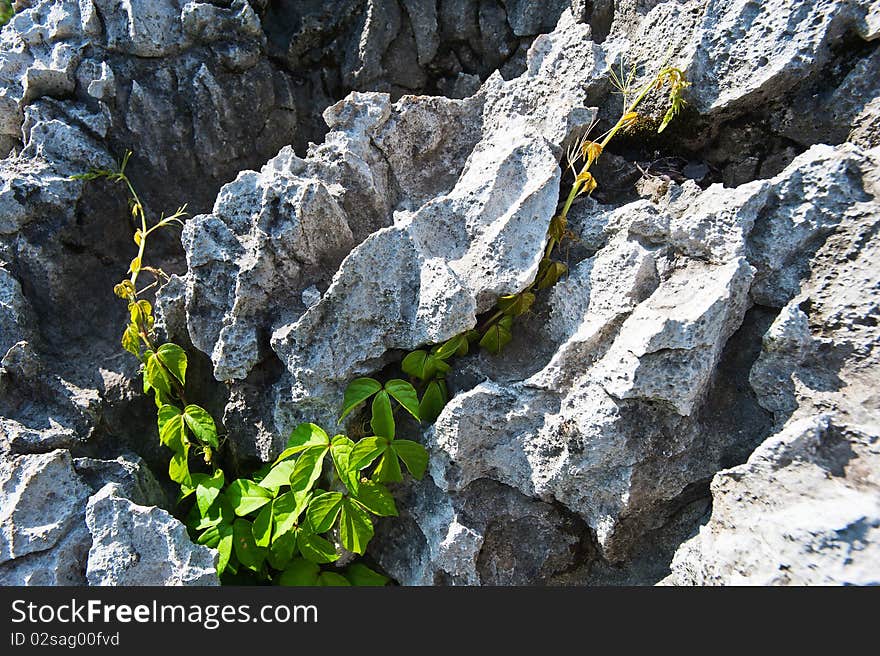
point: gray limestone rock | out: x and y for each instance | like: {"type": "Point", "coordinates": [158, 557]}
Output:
{"type": "Point", "coordinates": [140, 545]}
{"type": "Point", "coordinates": [43, 538]}
{"type": "Point", "coordinates": [43, 499]}
{"type": "Point", "coordinates": [805, 508]}
{"type": "Point", "coordinates": [704, 331]}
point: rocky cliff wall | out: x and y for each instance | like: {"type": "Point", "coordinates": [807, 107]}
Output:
{"type": "Point", "coordinates": [695, 402]}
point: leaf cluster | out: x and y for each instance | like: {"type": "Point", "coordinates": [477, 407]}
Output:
{"type": "Point", "coordinates": [290, 521]}
{"type": "Point", "coordinates": [296, 516]}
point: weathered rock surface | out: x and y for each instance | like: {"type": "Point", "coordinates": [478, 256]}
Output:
{"type": "Point", "coordinates": [718, 323]}
{"type": "Point", "coordinates": [140, 545]}
{"type": "Point", "coordinates": [804, 510]}
{"type": "Point", "coordinates": [629, 391]}
{"type": "Point", "coordinates": [44, 535]}
{"type": "Point", "coordinates": [805, 507]}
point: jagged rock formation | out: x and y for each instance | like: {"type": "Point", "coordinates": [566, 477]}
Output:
{"type": "Point", "coordinates": [719, 320]}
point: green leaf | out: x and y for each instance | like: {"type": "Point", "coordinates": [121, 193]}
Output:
{"type": "Point", "coordinates": [287, 509]}
{"type": "Point", "coordinates": [282, 549]}
{"type": "Point", "coordinates": [323, 510]}
{"type": "Point", "coordinates": [278, 476]}
{"type": "Point", "coordinates": [174, 359]}
{"type": "Point", "coordinates": [433, 401]}
{"type": "Point", "coordinates": [332, 579]}
{"type": "Point", "coordinates": [388, 469]}
{"type": "Point", "coordinates": [308, 468]}
{"type": "Point", "coordinates": [314, 548]}
{"type": "Point", "coordinates": [211, 537]}
{"type": "Point", "coordinates": [382, 420]}
{"type": "Point", "coordinates": [405, 395]}
{"type": "Point", "coordinates": [201, 424]}
{"type": "Point", "coordinates": [414, 456]}
{"type": "Point", "coordinates": [208, 489]}
{"type": "Point", "coordinates": [496, 337]}
{"type": "Point", "coordinates": [340, 450]}
{"type": "Point", "coordinates": [219, 512]}
{"type": "Point", "coordinates": [549, 273]}
{"type": "Point", "coordinates": [246, 496]}
{"type": "Point", "coordinates": [457, 345]}
{"type": "Point", "coordinates": [300, 572]}
{"type": "Point", "coordinates": [171, 431]}
{"type": "Point", "coordinates": [365, 451]}
{"type": "Point", "coordinates": [355, 527]}
{"type": "Point", "coordinates": [516, 304]}
{"type": "Point", "coordinates": [262, 527]}
{"type": "Point", "coordinates": [185, 492]}
{"type": "Point", "coordinates": [246, 550]}
{"type": "Point", "coordinates": [131, 340]}
{"type": "Point", "coordinates": [423, 365]}
{"type": "Point", "coordinates": [358, 391]}
{"type": "Point", "coordinates": [361, 575]}
{"type": "Point", "coordinates": [155, 376]}
{"type": "Point", "coordinates": [224, 547]}
{"type": "Point", "coordinates": [178, 468]}
{"type": "Point", "coordinates": [303, 437]}
{"type": "Point", "coordinates": [377, 499]}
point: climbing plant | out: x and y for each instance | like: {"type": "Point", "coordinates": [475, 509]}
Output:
{"type": "Point", "coordinates": [282, 523]}
{"type": "Point", "coordinates": [429, 365]}
{"type": "Point", "coordinates": [293, 520]}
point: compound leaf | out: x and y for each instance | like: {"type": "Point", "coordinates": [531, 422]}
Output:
{"type": "Point", "coordinates": [414, 364]}
{"type": "Point", "coordinates": [382, 421]}
{"type": "Point", "coordinates": [516, 304]}
{"type": "Point", "coordinates": [131, 341]}
{"type": "Point", "coordinates": [245, 547]}
{"type": "Point", "coordinates": [388, 469]}
{"type": "Point", "coordinates": [155, 376]}
{"type": "Point", "coordinates": [377, 499]}
{"type": "Point", "coordinates": [208, 488]}
{"type": "Point", "coordinates": [308, 468]}
{"type": "Point", "coordinates": [496, 338]}
{"type": "Point", "coordinates": [246, 496]}
{"type": "Point", "coordinates": [262, 526]}
{"type": "Point", "coordinates": [303, 437]}
{"type": "Point", "coordinates": [201, 424]}
{"type": "Point", "coordinates": [174, 359]}
{"type": "Point", "coordinates": [282, 549]}
{"type": "Point", "coordinates": [414, 456]}
{"type": "Point", "coordinates": [323, 510]}
{"type": "Point", "coordinates": [171, 431]}
{"type": "Point", "coordinates": [365, 451]}
{"type": "Point", "coordinates": [178, 468]}
{"type": "Point", "coordinates": [278, 476]}
{"type": "Point", "coordinates": [358, 390]}
{"type": "Point", "coordinates": [314, 548]}
{"type": "Point", "coordinates": [405, 395]}
{"type": "Point", "coordinates": [340, 450]}
{"type": "Point", "coordinates": [287, 509]}
{"type": "Point", "coordinates": [355, 527]}
{"type": "Point", "coordinates": [224, 547]}
{"type": "Point", "coordinates": [433, 401]}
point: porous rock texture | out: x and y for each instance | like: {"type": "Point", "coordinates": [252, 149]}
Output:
{"type": "Point", "coordinates": [695, 402]}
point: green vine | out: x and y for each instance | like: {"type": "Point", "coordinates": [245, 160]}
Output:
{"type": "Point", "coordinates": [429, 366]}
{"type": "Point", "coordinates": [293, 520]}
